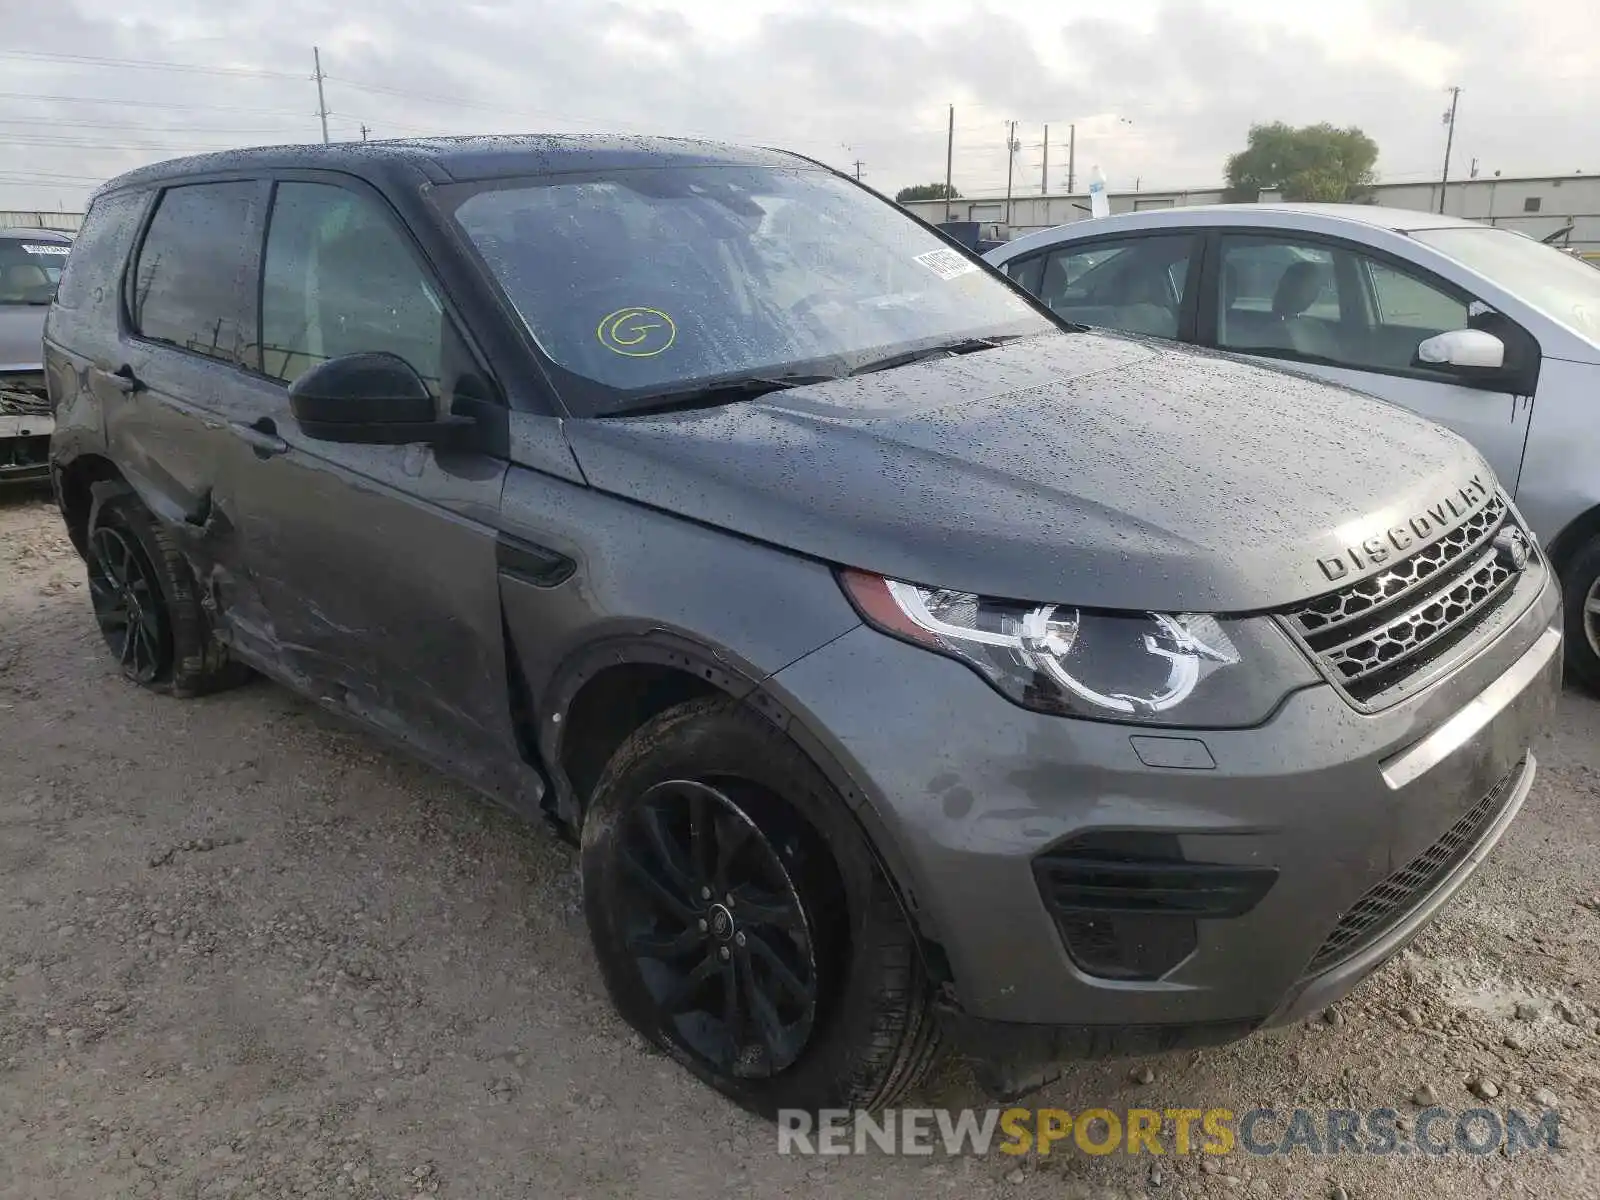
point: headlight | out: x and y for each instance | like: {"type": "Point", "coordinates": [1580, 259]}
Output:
{"type": "Point", "coordinates": [1142, 668]}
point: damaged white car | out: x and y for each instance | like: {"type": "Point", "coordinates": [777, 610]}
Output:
{"type": "Point", "coordinates": [30, 267]}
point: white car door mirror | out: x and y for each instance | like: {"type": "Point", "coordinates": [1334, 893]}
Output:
{"type": "Point", "coordinates": [1464, 348]}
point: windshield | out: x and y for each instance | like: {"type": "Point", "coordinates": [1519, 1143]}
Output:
{"type": "Point", "coordinates": [1556, 284]}
{"type": "Point", "coordinates": [640, 282]}
{"type": "Point", "coordinates": [29, 271]}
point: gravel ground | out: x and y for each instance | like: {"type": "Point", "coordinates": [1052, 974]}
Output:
{"type": "Point", "coordinates": [246, 951]}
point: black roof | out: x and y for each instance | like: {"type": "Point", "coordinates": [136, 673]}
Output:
{"type": "Point", "coordinates": [456, 159]}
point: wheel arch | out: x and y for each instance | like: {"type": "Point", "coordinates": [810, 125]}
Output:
{"type": "Point", "coordinates": [79, 484]}
{"type": "Point", "coordinates": [1576, 534]}
{"type": "Point", "coordinates": [581, 727]}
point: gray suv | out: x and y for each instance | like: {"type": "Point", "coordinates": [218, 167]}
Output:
{"type": "Point", "coordinates": [910, 667]}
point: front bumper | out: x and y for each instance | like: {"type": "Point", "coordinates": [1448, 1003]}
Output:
{"type": "Point", "coordinates": [25, 445]}
{"type": "Point", "coordinates": [965, 790]}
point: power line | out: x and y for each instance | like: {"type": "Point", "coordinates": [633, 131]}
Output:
{"type": "Point", "coordinates": [147, 64]}
{"type": "Point", "coordinates": [604, 123]}
{"type": "Point", "coordinates": [73, 144]}
{"type": "Point", "coordinates": [31, 122]}
{"type": "Point", "coordinates": [48, 177]}
{"type": "Point", "coordinates": [459, 102]}
{"type": "Point", "coordinates": [122, 102]}
{"type": "Point", "coordinates": [322, 110]}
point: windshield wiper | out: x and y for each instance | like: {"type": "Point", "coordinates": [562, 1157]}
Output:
{"type": "Point", "coordinates": [724, 391]}
{"type": "Point", "coordinates": [942, 350]}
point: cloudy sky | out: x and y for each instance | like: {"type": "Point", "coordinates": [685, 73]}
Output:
{"type": "Point", "coordinates": [1161, 90]}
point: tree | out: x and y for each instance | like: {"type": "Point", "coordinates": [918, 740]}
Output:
{"type": "Point", "coordinates": [1314, 162]}
{"type": "Point", "coordinates": [927, 191]}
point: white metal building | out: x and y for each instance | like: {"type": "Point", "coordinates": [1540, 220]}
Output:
{"type": "Point", "coordinates": [1538, 206]}
{"type": "Point", "coordinates": [66, 222]}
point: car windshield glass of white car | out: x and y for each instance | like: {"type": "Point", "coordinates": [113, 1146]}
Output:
{"type": "Point", "coordinates": [1558, 285]}
{"type": "Point", "coordinates": [641, 282]}
{"type": "Point", "coordinates": [30, 270]}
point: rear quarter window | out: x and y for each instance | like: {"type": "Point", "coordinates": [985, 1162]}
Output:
{"type": "Point", "coordinates": [95, 262]}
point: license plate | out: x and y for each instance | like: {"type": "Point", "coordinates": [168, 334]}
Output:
{"type": "Point", "coordinates": [26, 426]}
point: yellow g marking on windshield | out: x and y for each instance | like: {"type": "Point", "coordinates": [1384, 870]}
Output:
{"type": "Point", "coordinates": [636, 332]}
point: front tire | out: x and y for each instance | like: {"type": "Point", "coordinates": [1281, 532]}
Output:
{"type": "Point", "coordinates": [147, 605]}
{"type": "Point", "coordinates": [741, 922]}
{"type": "Point", "coordinates": [1580, 590]}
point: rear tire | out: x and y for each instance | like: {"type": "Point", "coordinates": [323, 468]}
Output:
{"type": "Point", "coordinates": [1580, 591]}
{"type": "Point", "coordinates": [853, 1026]}
{"type": "Point", "coordinates": [148, 606]}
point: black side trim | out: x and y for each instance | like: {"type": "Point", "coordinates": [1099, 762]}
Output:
{"type": "Point", "coordinates": [530, 563]}
{"type": "Point", "coordinates": [1090, 884]}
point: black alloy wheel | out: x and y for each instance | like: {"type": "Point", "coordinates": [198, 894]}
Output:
{"type": "Point", "coordinates": [128, 605]}
{"type": "Point", "coordinates": [717, 929]}
{"type": "Point", "coordinates": [741, 921]}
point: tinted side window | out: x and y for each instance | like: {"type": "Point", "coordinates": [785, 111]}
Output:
{"type": "Point", "coordinates": [1331, 303]}
{"type": "Point", "coordinates": [1135, 285]}
{"type": "Point", "coordinates": [188, 283]}
{"type": "Point", "coordinates": [95, 260]}
{"type": "Point", "coordinates": [1407, 301]}
{"type": "Point", "coordinates": [339, 278]}
{"type": "Point", "coordinates": [1280, 295]}
{"type": "Point", "coordinates": [1026, 271]}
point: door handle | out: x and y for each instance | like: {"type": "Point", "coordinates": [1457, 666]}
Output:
{"type": "Point", "coordinates": [122, 379]}
{"type": "Point", "coordinates": [261, 435]}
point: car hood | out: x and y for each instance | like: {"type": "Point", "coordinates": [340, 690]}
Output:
{"type": "Point", "coordinates": [1083, 468]}
{"type": "Point", "coordinates": [22, 336]}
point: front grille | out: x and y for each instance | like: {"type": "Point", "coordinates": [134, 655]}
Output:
{"type": "Point", "coordinates": [23, 396]}
{"type": "Point", "coordinates": [1388, 903]}
{"type": "Point", "coordinates": [1374, 635]}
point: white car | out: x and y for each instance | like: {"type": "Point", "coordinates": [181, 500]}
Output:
{"type": "Point", "coordinates": [30, 266]}
{"type": "Point", "coordinates": [1484, 330]}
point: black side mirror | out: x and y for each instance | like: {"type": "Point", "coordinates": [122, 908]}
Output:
{"type": "Point", "coordinates": [372, 398]}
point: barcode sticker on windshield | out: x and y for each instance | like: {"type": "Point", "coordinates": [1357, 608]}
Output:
{"type": "Point", "coordinates": [50, 249]}
{"type": "Point", "coordinates": [946, 264]}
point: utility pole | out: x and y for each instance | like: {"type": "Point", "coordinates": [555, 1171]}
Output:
{"type": "Point", "coordinates": [1011, 162]}
{"type": "Point", "coordinates": [1449, 140]}
{"type": "Point", "coordinates": [949, 159]}
{"type": "Point", "coordinates": [858, 170]}
{"type": "Point", "coordinates": [1072, 157]}
{"type": "Point", "coordinates": [322, 103]}
{"type": "Point", "coordinates": [364, 131]}
{"type": "Point", "coordinates": [1044, 171]}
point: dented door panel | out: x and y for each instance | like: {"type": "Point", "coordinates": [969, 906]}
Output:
{"type": "Point", "coordinates": [170, 437]}
{"type": "Point", "coordinates": [377, 565]}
